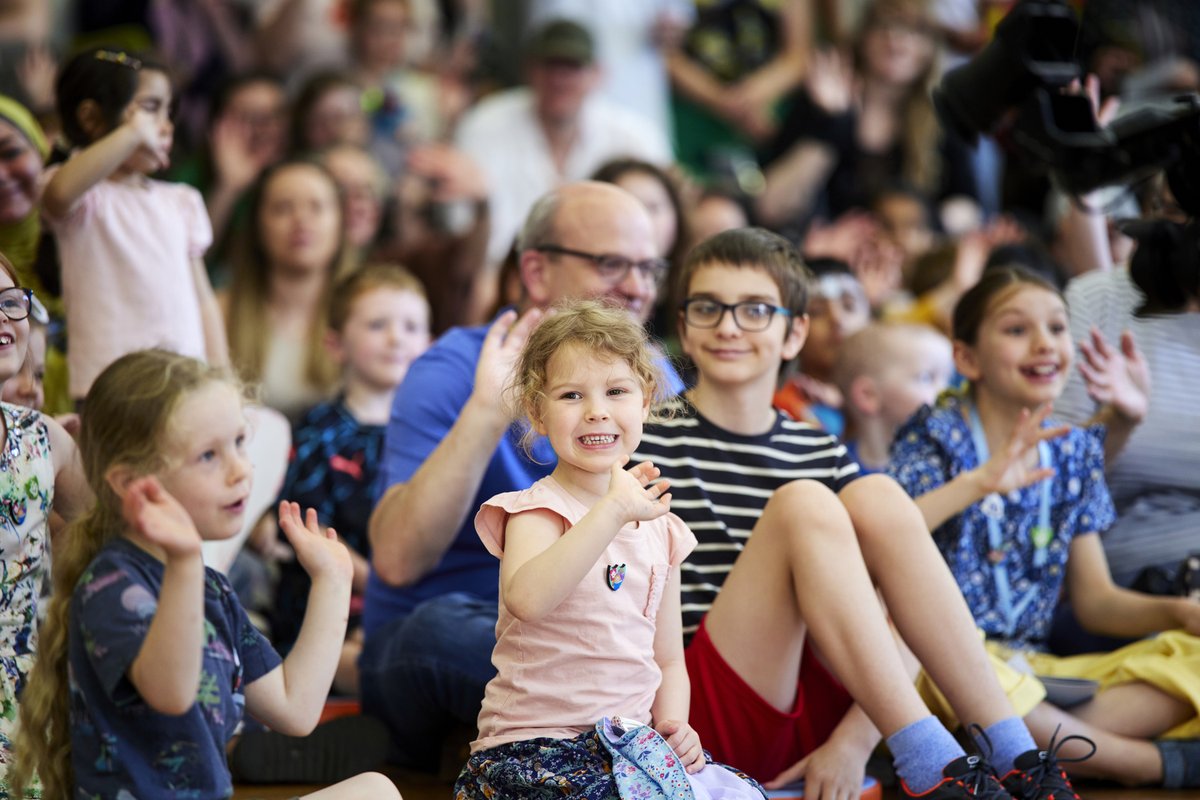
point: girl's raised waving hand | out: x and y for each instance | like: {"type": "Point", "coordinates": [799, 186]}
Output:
{"type": "Point", "coordinates": [629, 491]}
{"type": "Point", "coordinates": [166, 671]}
{"type": "Point", "coordinates": [1007, 470]}
{"type": "Point", "coordinates": [289, 698]}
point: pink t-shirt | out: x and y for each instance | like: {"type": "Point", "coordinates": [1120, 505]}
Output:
{"type": "Point", "coordinates": [591, 657]}
{"type": "Point", "coordinates": [126, 252]}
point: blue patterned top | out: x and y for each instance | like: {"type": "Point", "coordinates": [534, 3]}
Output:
{"type": "Point", "coordinates": [935, 446]}
{"type": "Point", "coordinates": [120, 746]}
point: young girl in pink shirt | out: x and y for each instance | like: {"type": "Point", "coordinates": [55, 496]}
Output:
{"type": "Point", "coordinates": [130, 246]}
{"type": "Point", "coordinates": [589, 625]}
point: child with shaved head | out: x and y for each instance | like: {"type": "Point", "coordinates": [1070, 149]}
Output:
{"type": "Point", "coordinates": [885, 372]}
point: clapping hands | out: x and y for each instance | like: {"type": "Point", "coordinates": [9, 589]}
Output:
{"type": "Point", "coordinates": [317, 550]}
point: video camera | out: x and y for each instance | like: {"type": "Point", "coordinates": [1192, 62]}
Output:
{"type": "Point", "coordinates": [1017, 83]}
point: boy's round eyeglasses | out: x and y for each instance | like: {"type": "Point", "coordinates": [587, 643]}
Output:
{"type": "Point", "coordinates": [15, 302]}
{"type": "Point", "coordinates": [613, 268]}
{"type": "Point", "coordinates": [749, 315]}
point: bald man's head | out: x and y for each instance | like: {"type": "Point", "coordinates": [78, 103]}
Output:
{"type": "Point", "coordinates": [567, 232]}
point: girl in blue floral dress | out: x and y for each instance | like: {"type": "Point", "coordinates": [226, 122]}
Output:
{"type": "Point", "coordinates": [1016, 505]}
{"type": "Point", "coordinates": [36, 455]}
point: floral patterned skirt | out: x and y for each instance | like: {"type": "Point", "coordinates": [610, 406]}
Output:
{"type": "Point", "coordinates": [535, 768]}
{"type": "Point", "coordinates": [546, 768]}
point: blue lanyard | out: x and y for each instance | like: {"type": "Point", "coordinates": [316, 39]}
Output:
{"type": "Point", "coordinates": [993, 511]}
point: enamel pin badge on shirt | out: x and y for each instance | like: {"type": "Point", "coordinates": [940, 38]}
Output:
{"type": "Point", "coordinates": [615, 576]}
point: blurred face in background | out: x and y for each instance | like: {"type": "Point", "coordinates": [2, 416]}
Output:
{"type": "Point", "coordinates": [715, 214]}
{"type": "Point", "coordinates": [920, 368]}
{"type": "Point", "coordinates": [560, 87]}
{"type": "Point", "coordinates": [837, 308]}
{"type": "Point", "coordinates": [654, 196]}
{"type": "Point", "coordinates": [363, 186]}
{"type": "Point", "coordinates": [382, 34]}
{"type": "Point", "coordinates": [905, 222]}
{"type": "Point", "coordinates": [300, 219]}
{"type": "Point", "coordinates": [259, 107]}
{"type": "Point", "coordinates": [20, 169]}
{"type": "Point", "coordinates": [897, 45]}
{"type": "Point", "coordinates": [337, 117]}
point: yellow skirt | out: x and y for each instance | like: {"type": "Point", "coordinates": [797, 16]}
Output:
{"type": "Point", "coordinates": [1169, 661]}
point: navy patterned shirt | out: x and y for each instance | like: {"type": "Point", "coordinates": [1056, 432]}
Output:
{"type": "Point", "coordinates": [120, 746]}
{"type": "Point", "coordinates": [333, 467]}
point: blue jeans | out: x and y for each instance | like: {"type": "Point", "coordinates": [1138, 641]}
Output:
{"type": "Point", "coordinates": [424, 674]}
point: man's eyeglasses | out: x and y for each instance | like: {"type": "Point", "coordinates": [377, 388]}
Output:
{"type": "Point", "coordinates": [749, 315]}
{"type": "Point", "coordinates": [15, 302]}
{"type": "Point", "coordinates": [613, 268]}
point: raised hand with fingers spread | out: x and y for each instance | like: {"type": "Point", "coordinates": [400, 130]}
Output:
{"type": "Point", "coordinates": [150, 510]}
{"type": "Point", "coordinates": [1015, 466]}
{"type": "Point", "coordinates": [318, 551]}
{"type": "Point", "coordinates": [638, 501]}
{"type": "Point", "coordinates": [1116, 377]}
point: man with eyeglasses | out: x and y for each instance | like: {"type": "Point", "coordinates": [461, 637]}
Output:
{"type": "Point", "coordinates": [430, 611]}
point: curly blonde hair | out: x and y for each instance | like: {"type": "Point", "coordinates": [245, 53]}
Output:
{"type": "Point", "coordinates": [126, 419]}
{"type": "Point", "coordinates": [599, 328]}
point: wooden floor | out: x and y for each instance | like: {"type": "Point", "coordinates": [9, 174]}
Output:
{"type": "Point", "coordinates": [418, 787]}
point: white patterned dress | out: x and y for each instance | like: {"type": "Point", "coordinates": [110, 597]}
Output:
{"type": "Point", "coordinates": [26, 492]}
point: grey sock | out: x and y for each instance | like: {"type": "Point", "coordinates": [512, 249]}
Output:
{"type": "Point", "coordinates": [921, 750]}
{"type": "Point", "coordinates": [1181, 762]}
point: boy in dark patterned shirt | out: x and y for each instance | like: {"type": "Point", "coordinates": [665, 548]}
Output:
{"type": "Point", "coordinates": [378, 324]}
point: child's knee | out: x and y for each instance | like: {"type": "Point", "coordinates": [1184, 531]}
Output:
{"type": "Point", "coordinates": [370, 786]}
{"type": "Point", "coordinates": [805, 508]}
{"type": "Point", "coordinates": [876, 495]}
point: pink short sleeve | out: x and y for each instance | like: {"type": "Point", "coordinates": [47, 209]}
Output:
{"type": "Point", "coordinates": [680, 540]}
{"type": "Point", "coordinates": [195, 220]}
{"type": "Point", "coordinates": [490, 522]}
{"type": "Point", "coordinates": [492, 517]}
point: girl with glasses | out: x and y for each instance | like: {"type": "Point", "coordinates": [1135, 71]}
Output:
{"type": "Point", "coordinates": [39, 469]}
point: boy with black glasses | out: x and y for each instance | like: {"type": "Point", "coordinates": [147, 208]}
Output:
{"type": "Point", "coordinates": [793, 541]}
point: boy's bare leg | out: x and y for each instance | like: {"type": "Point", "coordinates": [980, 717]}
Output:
{"type": "Point", "coordinates": [801, 570]}
{"type": "Point", "coordinates": [367, 786]}
{"type": "Point", "coordinates": [924, 600]}
{"type": "Point", "coordinates": [1137, 709]}
{"type": "Point", "coordinates": [1133, 762]}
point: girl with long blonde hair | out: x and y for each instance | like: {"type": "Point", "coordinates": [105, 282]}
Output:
{"type": "Point", "coordinates": [149, 661]}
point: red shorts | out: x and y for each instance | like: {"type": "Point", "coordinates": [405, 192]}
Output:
{"type": "Point", "coordinates": [742, 729]}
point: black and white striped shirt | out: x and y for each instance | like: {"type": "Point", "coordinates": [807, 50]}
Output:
{"type": "Point", "coordinates": [1155, 483]}
{"type": "Point", "coordinates": [720, 482]}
